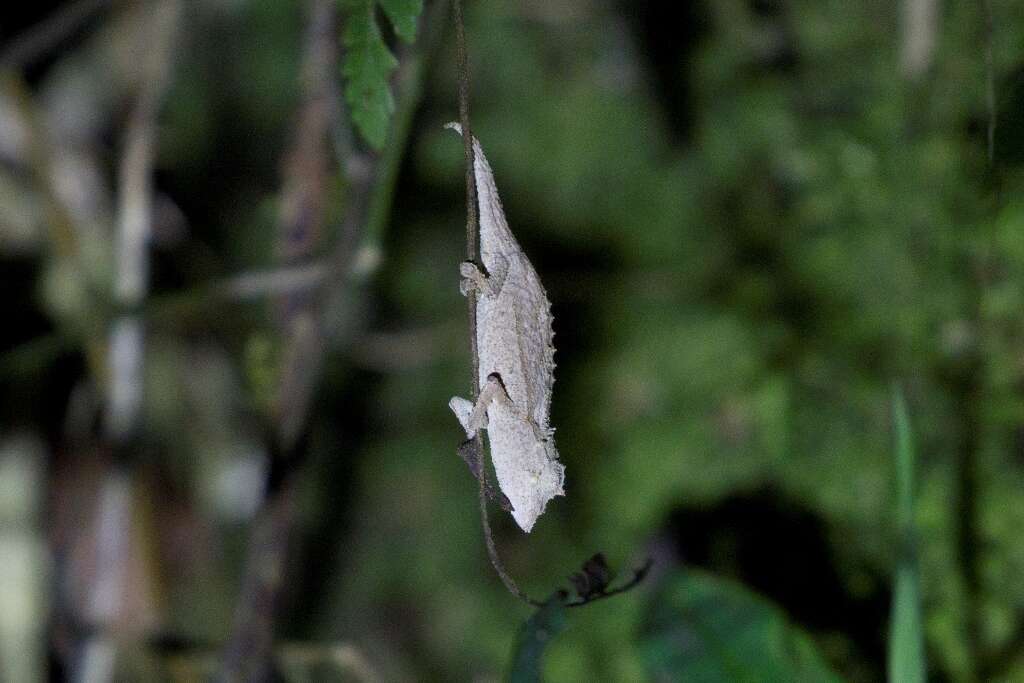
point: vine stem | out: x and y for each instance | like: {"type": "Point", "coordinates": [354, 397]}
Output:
{"type": "Point", "coordinates": [990, 83]}
{"type": "Point", "coordinates": [473, 255]}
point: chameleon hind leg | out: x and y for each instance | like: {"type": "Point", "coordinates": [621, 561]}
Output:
{"type": "Point", "coordinates": [474, 418]}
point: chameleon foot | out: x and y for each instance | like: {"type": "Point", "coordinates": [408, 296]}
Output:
{"type": "Point", "coordinates": [473, 279]}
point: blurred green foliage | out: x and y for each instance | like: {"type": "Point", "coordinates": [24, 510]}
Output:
{"type": "Point", "coordinates": [706, 630]}
{"type": "Point", "coordinates": [528, 652]}
{"type": "Point", "coordinates": [368, 62]}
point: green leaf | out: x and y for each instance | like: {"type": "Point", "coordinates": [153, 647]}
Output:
{"type": "Point", "coordinates": [368, 63]}
{"type": "Point", "coordinates": [906, 640]}
{"type": "Point", "coordinates": [403, 15]}
{"type": "Point", "coordinates": [367, 67]}
{"type": "Point", "coordinates": [534, 636]}
{"type": "Point", "coordinates": [704, 629]}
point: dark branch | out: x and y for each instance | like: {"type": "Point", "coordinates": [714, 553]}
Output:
{"type": "Point", "coordinates": [44, 37]}
{"type": "Point", "coordinates": [638, 576]}
{"type": "Point", "coordinates": [248, 651]}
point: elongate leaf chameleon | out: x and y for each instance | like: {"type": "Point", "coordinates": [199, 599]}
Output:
{"type": "Point", "coordinates": [514, 340]}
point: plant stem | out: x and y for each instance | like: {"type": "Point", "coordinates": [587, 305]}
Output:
{"type": "Point", "coordinates": [473, 255]}
{"type": "Point", "coordinates": [300, 225]}
{"type": "Point", "coordinates": [370, 179]}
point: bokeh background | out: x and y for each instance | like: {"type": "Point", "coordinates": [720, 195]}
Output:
{"type": "Point", "coordinates": [752, 217]}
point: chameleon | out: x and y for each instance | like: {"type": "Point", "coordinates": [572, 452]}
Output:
{"type": "Point", "coordinates": [514, 341]}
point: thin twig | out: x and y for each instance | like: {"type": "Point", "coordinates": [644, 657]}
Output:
{"type": "Point", "coordinates": [990, 83]}
{"type": "Point", "coordinates": [247, 654]}
{"type": "Point", "coordinates": [920, 25]}
{"type": "Point", "coordinates": [274, 281]}
{"type": "Point", "coordinates": [638, 576]}
{"type": "Point", "coordinates": [63, 233]}
{"type": "Point", "coordinates": [39, 156]}
{"type": "Point", "coordinates": [492, 549]}
{"type": "Point", "coordinates": [135, 222]}
{"type": "Point", "coordinates": [472, 228]}
{"type": "Point", "coordinates": [300, 224]}
{"type": "Point", "coordinates": [969, 381]}
{"type": "Point", "coordinates": [370, 177]}
{"type": "Point", "coordinates": [49, 33]}
{"type": "Point", "coordinates": [370, 185]}
{"type": "Point", "coordinates": [126, 347]}
{"type": "Point", "coordinates": [971, 544]}
{"type": "Point", "coordinates": [473, 255]}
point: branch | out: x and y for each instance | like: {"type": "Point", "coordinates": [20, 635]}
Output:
{"type": "Point", "coordinates": [273, 282]}
{"type": "Point", "coordinates": [990, 83]}
{"type": "Point", "coordinates": [247, 655]}
{"type": "Point", "coordinates": [638, 576]}
{"type": "Point", "coordinates": [920, 26]}
{"type": "Point", "coordinates": [135, 223]}
{"type": "Point", "coordinates": [305, 318]}
{"type": "Point", "coordinates": [49, 33]}
{"type": "Point", "coordinates": [371, 181]}
{"type": "Point", "coordinates": [125, 351]}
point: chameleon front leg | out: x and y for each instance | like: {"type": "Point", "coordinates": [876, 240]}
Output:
{"type": "Point", "coordinates": [474, 279]}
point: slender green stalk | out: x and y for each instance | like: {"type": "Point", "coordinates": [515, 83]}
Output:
{"type": "Point", "coordinates": [906, 640]}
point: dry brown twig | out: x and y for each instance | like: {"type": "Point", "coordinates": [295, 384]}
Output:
{"type": "Point", "coordinates": [306, 287]}
{"type": "Point", "coordinates": [42, 38]}
{"type": "Point", "coordinates": [248, 652]}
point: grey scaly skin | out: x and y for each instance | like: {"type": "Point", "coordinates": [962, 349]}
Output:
{"type": "Point", "coordinates": [514, 340]}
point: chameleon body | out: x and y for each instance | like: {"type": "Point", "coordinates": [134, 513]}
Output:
{"type": "Point", "coordinates": [514, 341]}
